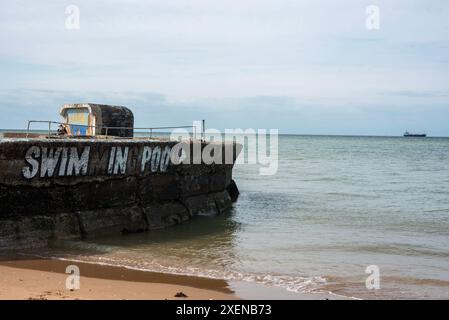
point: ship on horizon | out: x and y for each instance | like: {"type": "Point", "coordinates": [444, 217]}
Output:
{"type": "Point", "coordinates": [415, 135]}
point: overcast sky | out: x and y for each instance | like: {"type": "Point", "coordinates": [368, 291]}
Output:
{"type": "Point", "coordinates": [302, 66]}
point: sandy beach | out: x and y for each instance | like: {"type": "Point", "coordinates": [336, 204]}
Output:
{"type": "Point", "coordinates": [46, 280]}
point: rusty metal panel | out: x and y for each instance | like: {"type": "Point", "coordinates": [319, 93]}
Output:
{"type": "Point", "coordinates": [78, 121]}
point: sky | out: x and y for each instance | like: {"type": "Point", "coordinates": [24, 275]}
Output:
{"type": "Point", "coordinates": [303, 66]}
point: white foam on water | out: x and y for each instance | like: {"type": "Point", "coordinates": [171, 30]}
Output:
{"type": "Point", "coordinates": [295, 284]}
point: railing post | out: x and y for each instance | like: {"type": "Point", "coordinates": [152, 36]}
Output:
{"type": "Point", "coordinates": [203, 128]}
{"type": "Point", "coordinates": [49, 129]}
{"type": "Point", "coordinates": [28, 129]}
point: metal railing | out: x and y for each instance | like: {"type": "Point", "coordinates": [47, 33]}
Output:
{"type": "Point", "coordinates": [107, 129]}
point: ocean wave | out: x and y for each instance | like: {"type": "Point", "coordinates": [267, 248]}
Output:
{"type": "Point", "coordinates": [295, 284]}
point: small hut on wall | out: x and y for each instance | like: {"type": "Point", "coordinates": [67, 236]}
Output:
{"type": "Point", "coordinates": [89, 119]}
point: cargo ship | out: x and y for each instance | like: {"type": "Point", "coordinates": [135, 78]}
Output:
{"type": "Point", "coordinates": [415, 135]}
{"type": "Point", "coordinates": [93, 176]}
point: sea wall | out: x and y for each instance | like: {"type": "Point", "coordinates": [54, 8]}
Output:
{"type": "Point", "coordinates": [73, 189]}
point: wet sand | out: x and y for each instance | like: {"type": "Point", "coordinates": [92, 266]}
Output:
{"type": "Point", "coordinates": [46, 280]}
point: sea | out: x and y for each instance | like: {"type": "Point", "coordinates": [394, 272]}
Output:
{"type": "Point", "coordinates": [357, 217]}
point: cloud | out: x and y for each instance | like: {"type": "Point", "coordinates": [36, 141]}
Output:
{"type": "Point", "coordinates": [287, 59]}
{"type": "Point", "coordinates": [267, 112]}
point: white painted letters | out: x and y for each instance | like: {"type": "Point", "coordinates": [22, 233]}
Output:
{"type": "Point", "coordinates": [165, 159]}
{"type": "Point", "coordinates": [146, 156]}
{"type": "Point", "coordinates": [49, 161]}
{"type": "Point", "coordinates": [46, 162]}
{"type": "Point", "coordinates": [121, 159]}
{"type": "Point", "coordinates": [155, 159]}
{"type": "Point", "coordinates": [78, 165]}
{"type": "Point", "coordinates": [28, 172]}
{"type": "Point", "coordinates": [63, 164]}
{"type": "Point", "coordinates": [111, 160]}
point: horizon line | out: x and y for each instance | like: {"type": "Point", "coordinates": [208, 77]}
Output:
{"type": "Point", "coordinates": [280, 134]}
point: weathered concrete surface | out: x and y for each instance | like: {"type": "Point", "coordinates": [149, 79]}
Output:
{"type": "Point", "coordinates": [72, 189]}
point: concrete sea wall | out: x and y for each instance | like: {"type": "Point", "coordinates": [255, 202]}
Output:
{"type": "Point", "coordinates": [73, 189]}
